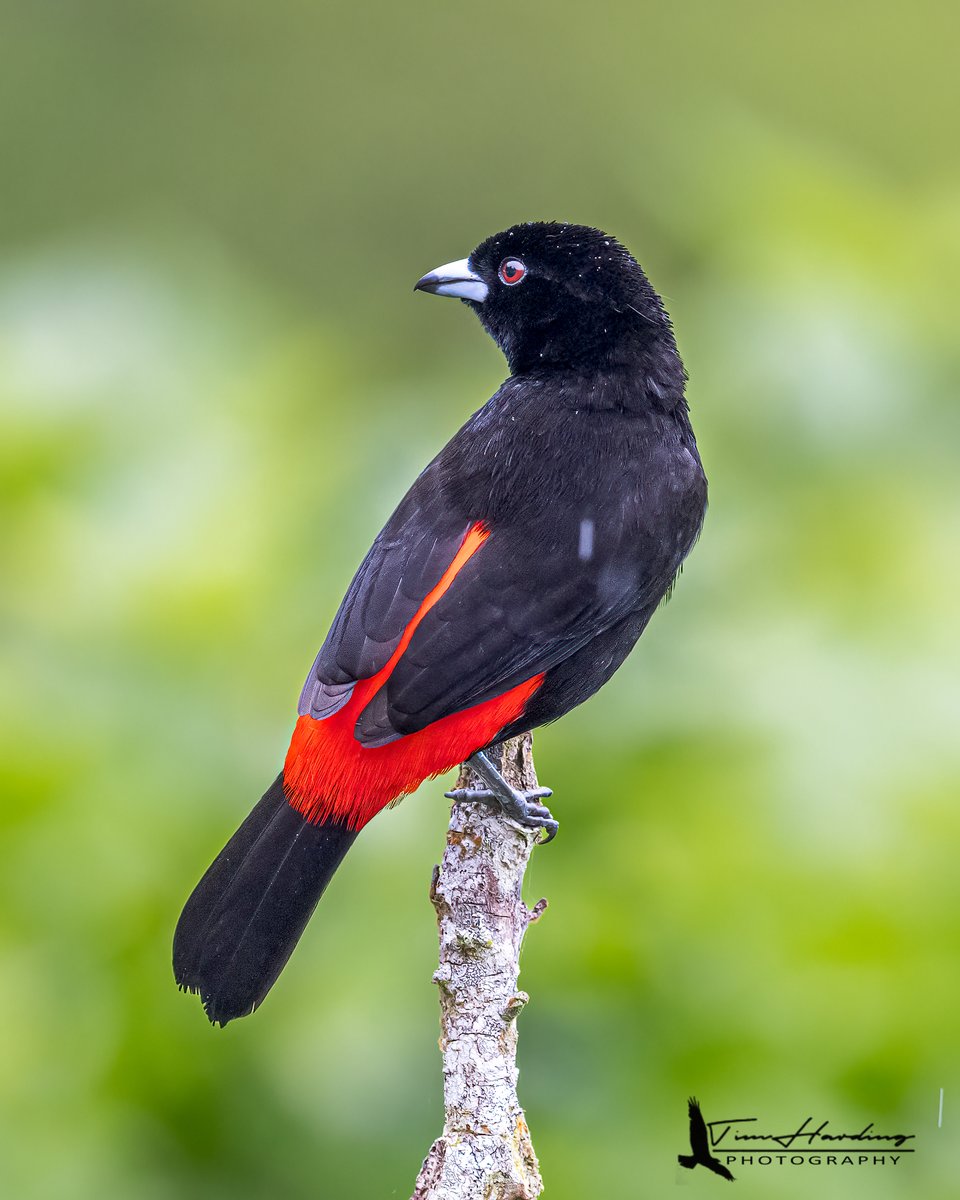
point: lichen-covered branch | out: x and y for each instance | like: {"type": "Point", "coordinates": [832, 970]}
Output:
{"type": "Point", "coordinates": [485, 1152]}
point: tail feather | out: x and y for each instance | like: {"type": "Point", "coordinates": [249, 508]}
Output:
{"type": "Point", "coordinates": [247, 913]}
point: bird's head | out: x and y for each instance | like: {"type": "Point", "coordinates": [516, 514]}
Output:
{"type": "Point", "coordinates": [558, 295]}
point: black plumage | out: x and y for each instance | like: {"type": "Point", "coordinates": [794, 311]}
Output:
{"type": "Point", "coordinates": [584, 468]}
{"type": "Point", "coordinates": [583, 475]}
{"type": "Point", "coordinates": [247, 913]}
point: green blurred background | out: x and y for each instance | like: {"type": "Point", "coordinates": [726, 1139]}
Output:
{"type": "Point", "coordinates": [215, 383]}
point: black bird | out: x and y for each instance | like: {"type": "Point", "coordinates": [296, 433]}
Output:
{"type": "Point", "coordinates": [511, 582]}
{"type": "Point", "coordinates": [700, 1144]}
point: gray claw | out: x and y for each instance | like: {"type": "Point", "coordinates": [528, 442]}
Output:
{"type": "Point", "coordinates": [550, 829]}
{"type": "Point", "coordinates": [518, 806]}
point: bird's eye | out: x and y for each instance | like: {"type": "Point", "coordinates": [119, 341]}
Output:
{"type": "Point", "coordinates": [511, 271]}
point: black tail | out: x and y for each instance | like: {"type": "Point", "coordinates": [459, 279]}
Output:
{"type": "Point", "coordinates": [247, 913]}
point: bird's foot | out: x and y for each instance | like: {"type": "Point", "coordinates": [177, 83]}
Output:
{"type": "Point", "coordinates": [521, 807]}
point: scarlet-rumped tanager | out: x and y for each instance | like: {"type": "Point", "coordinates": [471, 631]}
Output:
{"type": "Point", "coordinates": [511, 582]}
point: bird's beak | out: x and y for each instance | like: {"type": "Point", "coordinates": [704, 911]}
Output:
{"type": "Point", "coordinates": [454, 279]}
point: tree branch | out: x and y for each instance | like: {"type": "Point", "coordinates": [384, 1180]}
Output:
{"type": "Point", "coordinates": [485, 1152]}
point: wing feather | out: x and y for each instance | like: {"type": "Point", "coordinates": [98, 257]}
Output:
{"type": "Point", "coordinates": [536, 592]}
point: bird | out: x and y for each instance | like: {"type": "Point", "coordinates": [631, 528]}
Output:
{"type": "Point", "coordinates": [511, 582]}
{"type": "Point", "coordinates": [700, 1145]}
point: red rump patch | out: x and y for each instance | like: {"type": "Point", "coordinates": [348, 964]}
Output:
{"type": "Point", "coordinates": [329, 775]}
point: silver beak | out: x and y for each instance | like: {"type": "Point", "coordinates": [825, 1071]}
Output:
{"type": "Point", "coordinates": [454, 279]}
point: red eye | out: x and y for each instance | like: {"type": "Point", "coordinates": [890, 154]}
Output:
{"type": "Point", "coordinates": [511, 271]}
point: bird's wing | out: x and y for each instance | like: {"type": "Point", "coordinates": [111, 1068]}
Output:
{"type": "Point", "coordinates": [536, 587]}
{"type": "Point", "coordinates": [405, 562]}
{"type": "Point", "coordinates": [503, 617]}
{"type": "Point", "coordinates": [699, 1143]}
{"type": "Point", "coordinates": [520, 606]}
